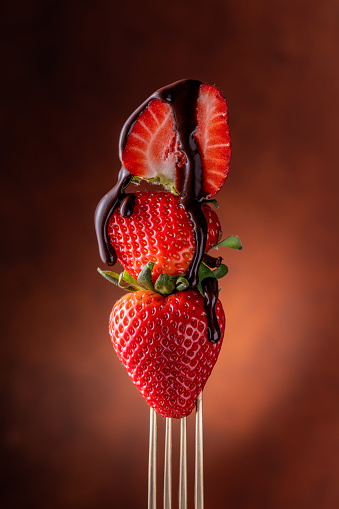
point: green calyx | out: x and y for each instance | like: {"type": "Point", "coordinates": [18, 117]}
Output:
{"type": "Point", "coordinates": [205, 272]}
{"type": "Point", "coordinates": [163, 180]}
{"type": "Point", "coordinates": [145, 277]}
{"type": "Point", "coordinates": [165, 284]}
{"type": "Point", "coordinates": [233, 242]}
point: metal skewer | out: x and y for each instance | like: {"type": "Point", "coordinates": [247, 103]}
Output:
{"type": "Point", "coordinates": [183, 465]}
{"type": "Point", "coordinates": [168, 465]}
{"type": "Point", "coordinates": [152, 461]}
{"type": "Point", "coordinates": [199, 459]}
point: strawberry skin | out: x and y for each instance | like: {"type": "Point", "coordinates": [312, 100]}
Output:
{"type": "Point", "coordinates": [162, 342]}
{"type": "Point", "coordinates": [159, 230]}
{"type": "Point", "coordinates": [152, 150]}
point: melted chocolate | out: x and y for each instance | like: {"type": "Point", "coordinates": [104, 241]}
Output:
{"type": "Point", "coordinates": [212, 262]}
{"type": "Point", "coordinates": [211, 293]}
{"type": "Point", "coordinates": [182, 97]}
{"type": "Point", "coordinates": [127, 205]}
{"type": "Point", "coordinates": [103, 212]}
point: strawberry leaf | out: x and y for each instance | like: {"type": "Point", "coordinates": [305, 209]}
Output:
{"type": "Point", "coordinates": [116, 279]}
{"type": "Point", "coordinates": [221, 271]}
{"type": "Point", "coordinates": [212, 202]}
{"type": "Point", "coordinates": [164, 284]}
{"type": "Point", "coordinates": [205, 272]}
{"type": "Point", "coordinates": [129, 278]}
{"type": "Point", "coordinates": [145, 277]}
{"type": "Point", "coordinates": [122, 282]}
{"type": "Point", "coordinates": [232, 242]}
{"type": "Point", "coordinates": [182, 284]}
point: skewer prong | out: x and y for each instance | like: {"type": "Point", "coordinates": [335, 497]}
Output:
{"type": "Point", "coordinates": [199, 457]}
{"type": "Point", "coordinates": [168, 465]}
{"type": "Point", "coordinates": [152, 461]}
{"type": "Point", "coordinates": [183, 465]}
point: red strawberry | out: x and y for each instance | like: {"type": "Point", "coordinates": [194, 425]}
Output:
{"type": "Point", "coordinates": [213, 137]}
{"type": "Point", "coordinates": [158, 230]}
{"type": "Point", "coordinates": [151, 151]}
{"type": "Point", "coordinates": [162, 342]}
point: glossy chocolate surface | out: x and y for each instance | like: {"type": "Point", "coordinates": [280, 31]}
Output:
{"type": "Point", "coordinates": [211, 292]}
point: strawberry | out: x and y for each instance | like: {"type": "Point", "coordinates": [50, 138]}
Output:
{"type": "Point", "coordinates": [158, 230]}
{"type": "Point", "coordinates": [213, 138]}
{"type": "Point", "coordinates": [152, 147]}
{"type": "Point", "coordinates": [162, 342]}
{"type": "Point", "coordinates": [152, 150]}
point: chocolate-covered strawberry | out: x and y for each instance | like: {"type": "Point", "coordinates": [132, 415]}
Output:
{"type": "Point", "coordinates": [155, 150]}
{"type": "Point", "coordinates": [178, 137]}
{"type": "Point", "coordinates": [159, 230]}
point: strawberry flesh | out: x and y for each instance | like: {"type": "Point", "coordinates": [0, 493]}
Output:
{"type": "Point", "coordinates": [152, 149]}
{"type": "Point", "coordinates": [213, 138]}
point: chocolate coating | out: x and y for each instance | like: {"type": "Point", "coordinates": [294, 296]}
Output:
{"type": "Point", "coordinates": [103, 212]}
{"type": "Point", "coordinates": [211, 292]}
{"type": "Point", "coordinates": [212, 262]}
{"type": "Point", "coordinates": [127, 205]}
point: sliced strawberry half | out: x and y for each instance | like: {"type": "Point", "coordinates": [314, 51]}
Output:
{"type": "Point", "coordinates": [213, 138]}
{"type": "Point", "coordinates": [152, 148]}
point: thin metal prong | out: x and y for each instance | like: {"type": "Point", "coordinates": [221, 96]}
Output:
{"type": "Point", "coordinates": [152, 461]}
{"type": "Point", "coordinates": [183, 465]}
{"type": "Point", "coordinates": [168, 465]}
{"type": "Point", "coordinates": [199, 457]}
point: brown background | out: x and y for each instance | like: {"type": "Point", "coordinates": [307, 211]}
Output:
{"type": "Point", "coordinates": [74, 429]}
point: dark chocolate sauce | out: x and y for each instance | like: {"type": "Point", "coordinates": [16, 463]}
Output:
{"type": "Point", "coordinates": [104, 210]}
{"type": "Point", "coordinates": [211, 293]}
{"type": "Point", "coordinates": [212, 262]}
{"type": "Point", "coordinates": [182, 97]}
{"type": "Point", "coordinates": [127, 205]}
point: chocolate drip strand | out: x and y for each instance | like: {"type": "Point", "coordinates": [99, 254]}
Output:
{"type": "Point", "coordinates": [103, 212]}
{"type": "Point", "coordinates": [183, 96]}
{"type": "Point", "coordinates": [212, 262]}
{"type": "Point", "coordinates": [210, 287]}
{"type": "Point", "coordinates": [127, 205]}
{"type": "Point", "coordinates": [200, 236]}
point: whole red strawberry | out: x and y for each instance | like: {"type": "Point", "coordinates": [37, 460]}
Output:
{"type": "Point", "coordinates": [162, 342]}
{"type": "Point", "coordinates": [158, 230]}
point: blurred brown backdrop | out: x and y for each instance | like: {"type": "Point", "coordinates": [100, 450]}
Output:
{"type": "Point", "coordinates": [74, 430]}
